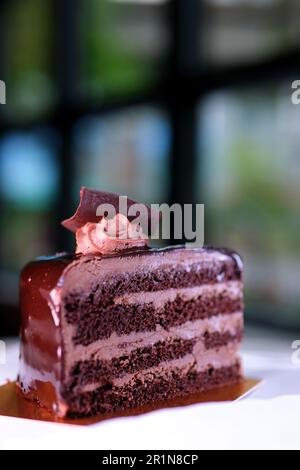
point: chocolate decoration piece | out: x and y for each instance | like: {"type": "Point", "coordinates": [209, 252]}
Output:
{"type": "Point", "coordinates": [91, 199]}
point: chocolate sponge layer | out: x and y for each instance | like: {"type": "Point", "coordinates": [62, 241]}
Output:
{"type": "Point", "coordinates": [109, 399]}
{"type": "Point", "coordinates": [98, 319]}
{"type": "Point", "coordinates": [95, 370]}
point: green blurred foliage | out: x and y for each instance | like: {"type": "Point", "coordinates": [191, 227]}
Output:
{"type": "Point", "coordinates": [28, 55]}
{"type": "Point", "coordinates": [110, 67]}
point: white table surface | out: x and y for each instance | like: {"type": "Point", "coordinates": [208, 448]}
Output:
{"type": "Point", "coordinates": [266, 418]}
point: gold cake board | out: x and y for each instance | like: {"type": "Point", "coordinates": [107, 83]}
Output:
{"type": "Point", "coordinates": [13, 404]}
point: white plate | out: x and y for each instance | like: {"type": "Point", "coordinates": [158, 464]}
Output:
{"type": "Point", "coordinates": [267, 418]}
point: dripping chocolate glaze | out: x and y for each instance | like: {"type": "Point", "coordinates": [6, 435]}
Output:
{"type": "Point", "coordinates": [41, 342]}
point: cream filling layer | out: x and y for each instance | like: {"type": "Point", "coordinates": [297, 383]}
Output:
{"type": "Point", "coordinates": [232, 289]}
{"type": "Point", "coordinates": [225, 356]}
{"type": "Point", "coordinates": [115, 346]}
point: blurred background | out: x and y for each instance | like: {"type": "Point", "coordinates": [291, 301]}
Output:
{"type": "Point", "coordinates": [167, 101]}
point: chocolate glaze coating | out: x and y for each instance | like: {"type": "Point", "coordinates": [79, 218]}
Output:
{"type": "Point", "coordinates": [40, 335]}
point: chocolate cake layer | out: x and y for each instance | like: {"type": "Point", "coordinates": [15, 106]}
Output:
{"type": "Point", "coordinates": [91, 371]}
{"type": "Point", "coordinates": [199, 358]}
{"type": "Point", "coordinates": [115, 345]}
{"type": "Point", "coordinates": [92, 280]}
{"type": "Point", "coordinates": [175, 383]}
{"type": "Point", "coordinates": [99, 320]}
{"type": "Point", "coordinates": [149, 282]}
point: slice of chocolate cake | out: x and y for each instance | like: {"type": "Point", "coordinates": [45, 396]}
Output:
{"type": "Point", "coordinates": [106, 332]}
